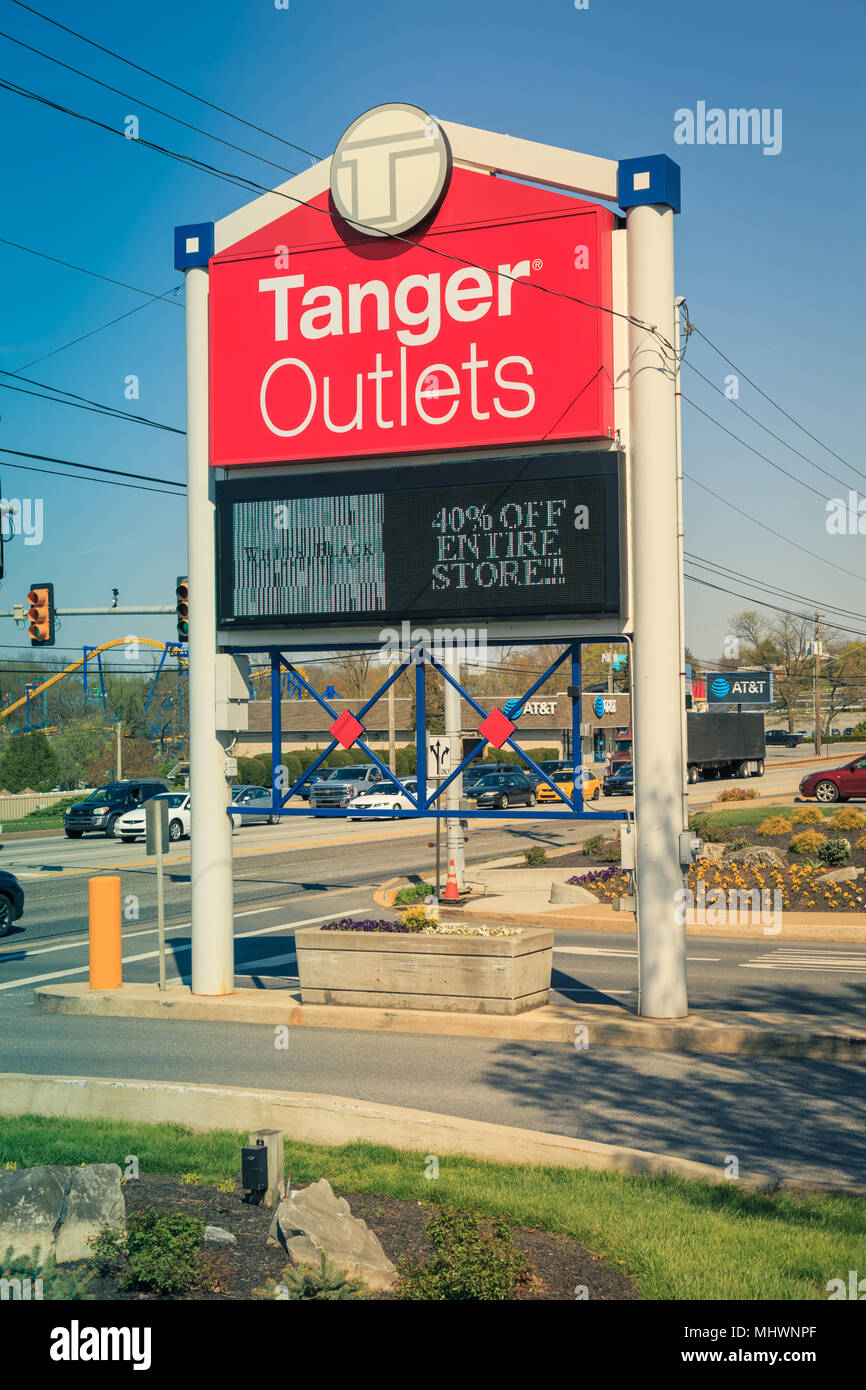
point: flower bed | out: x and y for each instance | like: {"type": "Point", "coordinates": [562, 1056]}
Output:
{"type": "Point", "coordinates": [796, 883]}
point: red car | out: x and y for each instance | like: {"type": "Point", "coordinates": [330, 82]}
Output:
{"type": "Point", "coordinates": [840, 784]}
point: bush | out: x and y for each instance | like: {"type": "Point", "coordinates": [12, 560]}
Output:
{"type": "Point", "coordinates": [806, 815]}
{"type": "Point", "coordinates": [160, 1252]}
{"type": "Point", "coordinates": [775, 825]}
{"type": "Point", "coordinates": [593, 845]}
{"type": "Point", "coordinates": [303, 1282]}
{"type": "Point", "coordinates": [58, 1285]}
{"type": "Point", "coordinates": [737, 794]}
{"type": "Point", "coordinates": [835, 852]}
{"type": "Point", "coordinates": [417, 918]}
{"type": "Point", "coordinates": [472, 1262]}
{"type": "Point", "coordinates": [846, 818]}
{"type": "Point", "coordinates": [536, 855]}
{"type": "Point", "coordinates": [413, 893]}
{"type": "Point", "coordinates": [737, 842]}
{"type": "Point", "coordinates": [807, 842]}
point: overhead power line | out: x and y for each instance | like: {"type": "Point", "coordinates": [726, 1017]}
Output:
{"type": "Point", "coordinates": [767, 397]}
{"type": "Point", "coordinates": [776, 589]}
{"type": "Point", "coordinates": [165, 81]}
{"type": "Point", "coordinates": [861, 579]}
{"type": "Point", "coordinates": [81, 402]}
{"type": "Point", "coordinates": [762, 603]}
{"type": "Point", "coordinates": [77, 477]}
{"type": "Point", "coordinates": [128, 96]}
{"type": "Point", "coordinates": [772, 433]}
{"type": "Point", "coordinates": [83, 270]}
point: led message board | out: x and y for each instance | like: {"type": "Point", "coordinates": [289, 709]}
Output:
{"type": "Point", "coordinates": [482, 539]}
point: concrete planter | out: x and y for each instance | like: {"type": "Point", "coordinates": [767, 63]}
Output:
{"type": "Point", "coordinates": [457, 974]}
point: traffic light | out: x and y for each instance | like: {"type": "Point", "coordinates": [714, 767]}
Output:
{"type": "Point", "coordinates": [182, 608]}
{"type": "Point", "coordinates": [41, 614]}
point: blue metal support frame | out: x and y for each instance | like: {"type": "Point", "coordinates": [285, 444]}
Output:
{"type": "Point", "coordinates": [420, 804]}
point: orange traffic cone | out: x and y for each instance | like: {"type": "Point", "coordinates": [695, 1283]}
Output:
{"type": "Point", "coordinates": [451, 892]}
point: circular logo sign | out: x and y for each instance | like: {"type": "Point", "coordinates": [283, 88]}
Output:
{"type": "Point", "coordinates": [720, 687]}
{"type": "Point", "coordinates": [390, 169]}
{"type": "Point", "coordinates": [598, 706]}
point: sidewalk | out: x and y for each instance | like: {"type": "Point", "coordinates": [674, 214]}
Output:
{"type": "Point", "coordinates": [582, 1026]}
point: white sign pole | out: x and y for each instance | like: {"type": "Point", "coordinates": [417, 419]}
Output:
{"type": "Point", "coordinates": [656, 714]}
{"type": "Point", "coordinates": [454, 793]}
{"type": "Point", "coordinates": [210, 830]}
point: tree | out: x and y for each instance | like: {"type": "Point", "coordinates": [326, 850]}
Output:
{"type": "Point", "coordinates": [29, 761]}
{"type": "Point", "coordinates": [77, 745]}
{"type": "Point", "coordinates": [781, 645]}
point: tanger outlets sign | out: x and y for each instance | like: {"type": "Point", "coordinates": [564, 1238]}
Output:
{"type": "Point", "coordinates": [482, 539]}
{"type": "Point", "coordinates": [480, 327]}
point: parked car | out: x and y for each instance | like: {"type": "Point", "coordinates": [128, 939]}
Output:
{"type": "Point", "coordinates": [620, 782]}
{"type": "Point", "coordinates": [132, 825]}
{"type": "Point", "coordinates": [249, 796]}
{"type": "Point", "coordinates": [103, 808]}
{"type": "Point", "coordinates": [11, 901]}
{"type": "Point", "coordinates": [566, 783]}
{"type": "Point", "coordinates": [839, 784]}
{"type": "Point", "coordinates": [782, 736]}
{"type": "Point", "coordinates": [385, 797]}
{"type": "Point", "coordinates": [502, 789]}
{"type": "Point", "coordinates": [343, 785]}
{"type": "Point", "coordinates": [847, 732]}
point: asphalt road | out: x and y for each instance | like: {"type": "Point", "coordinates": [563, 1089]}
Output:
{"type": "Point", "coordinates": [795, 1118]}
{"type": "Point", "coordinates": [301, 855]}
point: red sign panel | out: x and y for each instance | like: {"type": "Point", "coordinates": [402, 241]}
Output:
{"type": "Point", "coordinates": [482, 331]}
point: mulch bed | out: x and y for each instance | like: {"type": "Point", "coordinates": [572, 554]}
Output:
{"type": "Point", "coordinates": [560, 1264]}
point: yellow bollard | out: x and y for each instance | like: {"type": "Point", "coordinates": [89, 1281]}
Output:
{"type": "Point", "coordinates": [106, 970]}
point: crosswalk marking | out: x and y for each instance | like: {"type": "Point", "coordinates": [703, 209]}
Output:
{"type": "Point", "coordinates": [819, 961]}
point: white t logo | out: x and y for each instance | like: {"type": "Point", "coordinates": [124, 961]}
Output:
{"type": "Point", "coordinates": [390, 169]}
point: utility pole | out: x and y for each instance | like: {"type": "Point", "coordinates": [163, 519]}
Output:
{"type": "Point", "coordinates": [658, 752]}
{"type": "Point", "coordinates": [392, 726]}
{"type": "Point", "coordinates": [816, 645]}
{"type": "Point", "coordinates": [119, 752]}
{"type": "Point", "coordinates": [454, 793]}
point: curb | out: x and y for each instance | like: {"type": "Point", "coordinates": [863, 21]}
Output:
{"type": "Point", "coordinates": [597, 1025]}
{"type": "Point", "coordinates": [335, 1120]}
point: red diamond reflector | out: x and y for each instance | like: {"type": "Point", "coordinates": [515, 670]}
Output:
{"type": "Point", "coordinates": [496, 728]}
{"type": "Point", "coordinates": [346, 729]}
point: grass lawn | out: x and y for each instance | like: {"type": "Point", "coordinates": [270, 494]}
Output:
{"type": "Point", "coordinates": [676, 1239]}
{"type": "Point", "coordinates": [741, 813]}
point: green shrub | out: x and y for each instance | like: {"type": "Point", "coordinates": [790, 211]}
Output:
{"type": "Point", "coordinates": [737, 842]}
{"type": "Point", "coordinates": [535, 855]}
{"type": "Point", "coordinates": [774, 825]}
{"type": "Point", "coordinates": [805, 815]}
{"type": "Point", "coordinates": [807, 842]}
{"type": "Point", "coordinates": [835, 851]}
{"type": "Point", "coordinates": [303, 1282]}
{"type": "Point", "coordinates": [413, 893]}
{"type": "Point", "coordinates": [472, 1261]}
{"type": "Point", "coordinates": [57, 1284]}
{"type": "Point", "coordinates": [593, 845]}
{"type": "Point", "coordinates": [160, 1252]}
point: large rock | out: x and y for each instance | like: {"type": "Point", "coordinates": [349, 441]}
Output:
{"type": "Point", "coordinates": [59, 1209]}
{"type": "Point", "coordinates": [841, 875]}
{"type": "Point", "coordinates": [313, 1220]}
{"type": "Point", "coordinates": [750, 858]}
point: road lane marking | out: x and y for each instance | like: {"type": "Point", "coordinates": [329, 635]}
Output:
{"type": "Point", "coordinates": [611, 951]}
{"type": "Point", "coordinates": [24, 951]}
{"type": "Point", "coordinates": [151, 955]}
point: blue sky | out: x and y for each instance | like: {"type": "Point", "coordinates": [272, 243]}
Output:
{"type": "Point", "coordinates": [769, 248]}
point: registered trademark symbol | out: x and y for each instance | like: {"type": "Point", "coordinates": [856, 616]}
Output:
{"type": "Point", "coordinates": [537, 264]}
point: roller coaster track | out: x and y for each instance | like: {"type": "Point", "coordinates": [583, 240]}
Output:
{"type": "Point", "coordinates": [80, 663]}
